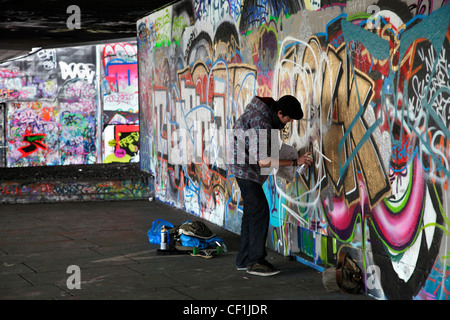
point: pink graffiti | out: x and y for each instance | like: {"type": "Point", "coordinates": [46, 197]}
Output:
{"type": "Point", "coordinates": [121, 75]}
{"type": "Point", "coordinates": [396, 228]}
{"type": "Point", "coordinates": [122, 51]}
{"type": "Point", "coordinates": [399, 228]}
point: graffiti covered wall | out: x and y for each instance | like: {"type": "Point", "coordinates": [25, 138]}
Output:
{"type": "Point", "coordinates": [120, 102]}
{"type": "Point", "coordinates": [373, 80]}
{"type": "Point", "coordinates": [74, 105]}
{"type": "Point", "coordinates": [73, 191]}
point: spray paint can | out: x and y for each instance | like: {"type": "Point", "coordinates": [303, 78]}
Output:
{"type": "Point", "coordinates": [163, 238]}
{"type": "Point", "coordinates": [301, 169]}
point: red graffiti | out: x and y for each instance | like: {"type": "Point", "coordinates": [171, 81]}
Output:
{"type": "Point", "coordinates": [34, 143]}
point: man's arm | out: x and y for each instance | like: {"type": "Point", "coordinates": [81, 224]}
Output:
{"type": "Point", "coordinates": [271, 162]}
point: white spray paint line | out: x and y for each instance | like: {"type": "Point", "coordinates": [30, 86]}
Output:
{"type": "Point", "coordinates": [322, 154]}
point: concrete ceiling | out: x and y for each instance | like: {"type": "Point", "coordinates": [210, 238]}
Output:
{"type": "Point", "coordinates": [26, 24]}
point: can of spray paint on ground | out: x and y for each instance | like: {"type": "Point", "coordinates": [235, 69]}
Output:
{"type": "Point", "coordinates": [163, 238]}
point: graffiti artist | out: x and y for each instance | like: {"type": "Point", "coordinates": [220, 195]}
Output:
{"type": "Point", "coordinates": [262, 114]}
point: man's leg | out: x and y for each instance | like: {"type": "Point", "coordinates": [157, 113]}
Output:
{"type": "Point", "coordinates": [255, 224]}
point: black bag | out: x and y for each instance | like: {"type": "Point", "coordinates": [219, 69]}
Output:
{"type": "Point", "coordinates": [348, 274]}
{"type": "Point", "coordinates": [346, 277]}
{"type": "Point", "coordinates": [195, 229]}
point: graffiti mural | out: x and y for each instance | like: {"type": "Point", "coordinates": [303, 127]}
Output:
{"type": "Point", "coordinates": [69, 191]}
{"type": "Point", "coordinates": [373, 81]}
{"type": "Point", "coordinates": [75, 105]}
{"type": "Point", "coordinates": [119, 89]}
{"type": "Point", "coordinates": [2, 134]}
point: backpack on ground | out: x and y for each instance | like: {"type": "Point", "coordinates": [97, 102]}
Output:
{"type": "Point", "coordinates": [346, 276]}
{"type": "Point", "coordinates": [188, 237]}
{"type": "Point", "coordinates": [197, 229]}
{"type": "Point", "coordinates": [193, 234]}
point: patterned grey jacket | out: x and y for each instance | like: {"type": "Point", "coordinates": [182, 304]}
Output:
{"type": "Point", "coordinates": [255, 137]}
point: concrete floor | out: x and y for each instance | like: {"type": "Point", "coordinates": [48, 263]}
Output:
{"type": "Point", "coordinates": [108, 242]}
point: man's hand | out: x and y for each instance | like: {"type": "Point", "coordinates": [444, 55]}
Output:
{"type": "Point", "coordinates": [306, 159]}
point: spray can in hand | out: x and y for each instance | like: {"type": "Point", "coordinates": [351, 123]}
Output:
{"type": "Point", "coordinates": [164, 239]}
{"type": "Point", "coordinates": [301, 169]}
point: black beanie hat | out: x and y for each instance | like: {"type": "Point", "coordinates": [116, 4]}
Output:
{"type": "Point", "coordinates": [290, 106]}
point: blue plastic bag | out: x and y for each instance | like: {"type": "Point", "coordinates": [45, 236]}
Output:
{"type": "Point", "coordinates": [154, 234]}
{"type": "Point", "coordinates": [187, 241]}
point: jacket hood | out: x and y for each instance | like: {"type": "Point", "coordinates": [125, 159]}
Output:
{"type": "Point", "coordinates": [267, 111]}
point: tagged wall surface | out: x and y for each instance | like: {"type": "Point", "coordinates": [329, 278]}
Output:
{"type": "Point", "coordinates": [373, 81]}
{"type": "Point", "coordinates": [66, 106]}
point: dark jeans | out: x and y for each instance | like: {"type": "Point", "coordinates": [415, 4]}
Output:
{"type": "Point", "coordinates": [255, 224]}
